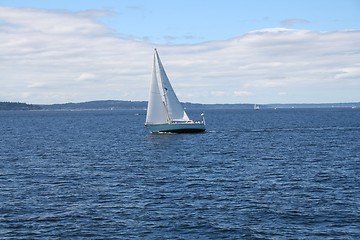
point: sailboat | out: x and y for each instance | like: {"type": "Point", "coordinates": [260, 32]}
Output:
{"type": "Point", "coordinates": [165, 112]}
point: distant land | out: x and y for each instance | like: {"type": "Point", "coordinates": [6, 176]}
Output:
{"type": "Point", "coordinates": [18, 106]}
{"type": "Point", "coordinates": [141, 105]}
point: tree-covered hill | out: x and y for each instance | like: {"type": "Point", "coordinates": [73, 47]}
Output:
{"type": "Point", "coordinates": [18, 106]}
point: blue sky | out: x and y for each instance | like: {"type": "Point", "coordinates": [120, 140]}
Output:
{"type": "Point", "coordinates": [189, 21]}
{"type": "Point", "coordinates": [214, 51]}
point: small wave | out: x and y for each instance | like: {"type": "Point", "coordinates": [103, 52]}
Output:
{"type": "Point", "coordinates": [286, 129]}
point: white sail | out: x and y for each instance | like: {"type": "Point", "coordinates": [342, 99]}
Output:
{"type": "Point", "coordinates": [173, 106]}
{"type": "Point", "coordinates": [156, 110]}
{"type": "Point", "coordinates": [164, 112]}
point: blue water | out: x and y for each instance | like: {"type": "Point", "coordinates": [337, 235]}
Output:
{"type": "Point", "coordinates": [268, 174]}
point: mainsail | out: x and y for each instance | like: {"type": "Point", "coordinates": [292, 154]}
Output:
{"type": "Point", "coordinates": [163, 105]}
{"type": "Point", "coordinates": [156, 110]}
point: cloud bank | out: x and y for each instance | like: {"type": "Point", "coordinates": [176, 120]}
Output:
{"type": "Point", "coordinates": [59, 56]}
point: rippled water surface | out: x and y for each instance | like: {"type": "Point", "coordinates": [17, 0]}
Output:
{"type": "Point", "coordinates": [268, 174]}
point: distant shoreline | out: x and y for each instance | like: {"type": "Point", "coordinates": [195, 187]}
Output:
{"type": "Point", "coordinates": [142, 105]}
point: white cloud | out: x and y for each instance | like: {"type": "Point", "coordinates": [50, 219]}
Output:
{"type": "Point", "coordinates": [349, 72]}
{"type": "Point", "coordinates": [243, 94]}
{"type": "Point", "coordinates": [218, 93]}
{"type": "Point", "coordinates": [36, 85]}
{"type": "Point", "coordinates": [62, 51]}
{"type": "Point", "coordinates": [86, 76]}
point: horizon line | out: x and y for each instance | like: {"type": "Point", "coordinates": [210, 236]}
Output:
{"type": "Point", "coordinates": [104, 100]}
